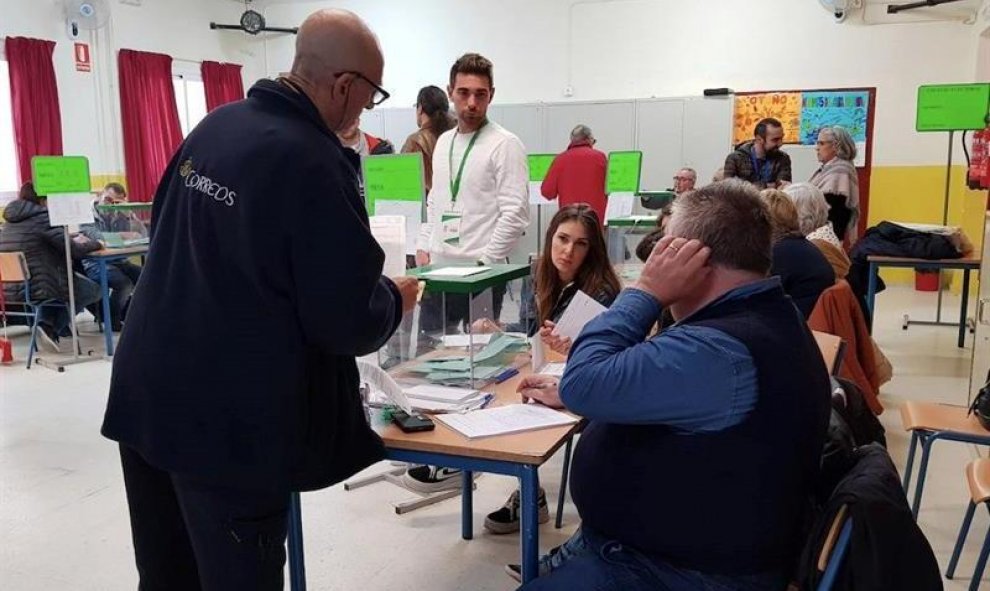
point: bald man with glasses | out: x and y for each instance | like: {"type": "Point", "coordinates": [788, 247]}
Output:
{"type": "Point", "coordinates": [235, 382]}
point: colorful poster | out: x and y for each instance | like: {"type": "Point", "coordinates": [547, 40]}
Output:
{"type": "Point", "coordinates": [828, 109]}
{"type": "Point", "coordinates": [750, 108]}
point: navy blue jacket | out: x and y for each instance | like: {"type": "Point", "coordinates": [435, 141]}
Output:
{"type": "Point", "coordinates": [715, 490]}
{"type": "Point", "coordinates": [803, 270]}
{"type": "Point", "coordinates": [262, 284]}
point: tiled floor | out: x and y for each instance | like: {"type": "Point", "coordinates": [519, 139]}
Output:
{"type": "Point", "coordinates": [63, 519]}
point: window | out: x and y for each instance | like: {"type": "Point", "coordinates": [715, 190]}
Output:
{"type": "Point", "coordinates": [8, 155]}
{"type": "Point", "coordinates": [190, 97]}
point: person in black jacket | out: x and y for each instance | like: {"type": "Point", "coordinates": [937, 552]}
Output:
{"type": "Point", "coordinates": [29, 230]}
{"type": "Point", "coordinates": [235, 381]}
{"type": "Point", "coordinates": [761, 161]}
{"type": "Point", "coordinates": [803, 270]}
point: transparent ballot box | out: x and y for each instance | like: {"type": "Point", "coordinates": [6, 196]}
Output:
{"type": "Point", "coordinates": [468, 330]}
{"type": "Point", "coordinates": [123, 224]}
{"type": "Point", "coordinates": [624, 234]}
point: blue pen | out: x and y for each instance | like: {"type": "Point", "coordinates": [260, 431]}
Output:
{"type": "Point", "coordinates": [505, 375]}
{"type": "Point", "coordinates": [488, 399]}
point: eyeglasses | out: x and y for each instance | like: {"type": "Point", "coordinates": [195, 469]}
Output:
{"type": "Point", "coordinates": [682, 178]}
{"type": "Point", "coordinates": [378, 97]}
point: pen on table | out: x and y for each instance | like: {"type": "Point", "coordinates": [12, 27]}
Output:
{"type": "Point", "coordinates": [506, 375]}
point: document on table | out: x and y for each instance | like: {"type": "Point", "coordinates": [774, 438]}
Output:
{"type": "Point", "coordinates": [503, 420]}
{"type": "Point", "coordinates": [579, 312]}
{"type": "Point", "coordinates": [455, 271]}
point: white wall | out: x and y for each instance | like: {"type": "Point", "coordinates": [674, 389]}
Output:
{"type": "Point", "coordinates": [89, 102]}
{"type": "Point", "coordinates": [660, 48]}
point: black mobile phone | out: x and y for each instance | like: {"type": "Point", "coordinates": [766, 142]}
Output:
{"type": "Point", "coordinates": [412, 423]}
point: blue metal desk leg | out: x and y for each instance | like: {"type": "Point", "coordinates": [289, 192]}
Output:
{"type": "Point", "coordinates": [871, 293]}
{"type": "Point", "coordinates": [910, 460]}
{"type": "Point", "coordinates": [467, 505]}
{"type": "Point", "coordinates": [105, 290]}
{"type": "Point", "coordinates": [964, 308]}
{"type": "Point", "coordinates": [926, 448]}
{"type": "Point", "coordinates": [530, 523]}
{"type": "Point", "coordinates": [297, 563]}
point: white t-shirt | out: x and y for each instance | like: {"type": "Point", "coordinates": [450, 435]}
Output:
{"type": "Point", "coordinates": [492, 207]}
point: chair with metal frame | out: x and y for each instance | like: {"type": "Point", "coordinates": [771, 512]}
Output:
{"type": "Point", "coordinates": [14, 269]}
{"type": "Point", "coordinates": [928, 423]}
{"type": "Point", "coordinates": [834, 549]}
{"type": "Point", "coordinates": [978, 477]}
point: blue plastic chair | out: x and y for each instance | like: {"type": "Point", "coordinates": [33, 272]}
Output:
{"type": "Point", "coordinates": [14, 270]}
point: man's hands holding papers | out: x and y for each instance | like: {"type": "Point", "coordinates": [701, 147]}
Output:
{"type": "Point", "coordinates": [542, 389]}
{"type": "Point", "coordinates": [676, 267]}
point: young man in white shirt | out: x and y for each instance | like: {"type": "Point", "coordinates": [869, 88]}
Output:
{"type": "Point", "coordinates": [478, 207]}
{"type": "Point", "coordinates": [476, 211]}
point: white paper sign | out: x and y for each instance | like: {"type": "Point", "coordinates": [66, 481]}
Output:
{"type": "Point", "coordinates": [389, 231]}
{"type": "Point", "coordinates": [619, 205]}
{"type": "Point", "coordinates": [860, 160]}
{"type": "Point", "coordinates": [535, 196]}
{"type": "Point", "coordinates": [65, 209]}
{"type": "Point", "coordinates": [411, 210]}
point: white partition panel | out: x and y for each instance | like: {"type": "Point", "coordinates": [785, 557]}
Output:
{"type": "Point", "coordinates": [613, 124]}
{"type": "Point", "coordinates": [373, 122]}
{"type": "Point", "coordinates": [659, 128]}
{"type": "Point", "coordinates": [526, 121]}
{"type": "Point", "coordinates": [399, 124]}
{"type": "Point", "coordinates": [707, 137]}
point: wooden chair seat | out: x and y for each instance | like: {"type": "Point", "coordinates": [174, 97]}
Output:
{"type": "Point", "coordinates": [978, 476]}
{"type": "Point", "coordinates": [927, 416]}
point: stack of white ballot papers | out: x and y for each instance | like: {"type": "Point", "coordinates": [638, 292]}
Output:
{"type": "Point", "coordinates": [430, 398]}
{"type": "Point", "coordinates": [503, 420]}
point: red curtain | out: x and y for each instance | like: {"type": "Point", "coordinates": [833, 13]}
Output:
{"type": "Point", "coordinates": [223, 84]}
{"type": "Point", "coordinates": [150, 119]}
{"type": "Point", "coordinates": [34, 101]}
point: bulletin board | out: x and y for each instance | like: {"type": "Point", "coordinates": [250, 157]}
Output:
{"type": "Point", "coordinates": [803, 113]}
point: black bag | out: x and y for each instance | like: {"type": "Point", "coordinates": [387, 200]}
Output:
{"type": "Point", "coordinates": [981, 405]}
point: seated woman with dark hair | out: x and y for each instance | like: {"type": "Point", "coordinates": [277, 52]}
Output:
{"type": "Point", "coordinates": [574, 258]}
{"type": "Point", "coordinates": [28, 230]}
{"type": "Point", "coordinates": [803, 270]}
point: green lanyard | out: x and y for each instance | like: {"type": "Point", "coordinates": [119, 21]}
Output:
{"type": "Point", "coordinates": [455, 183]}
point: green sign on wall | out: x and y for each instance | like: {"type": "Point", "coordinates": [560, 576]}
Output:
{"type": "Point", "coordinates": [60, 174]}
{"type": "Point", "coordinates": [623, 171]}
{"type": "Point", "coordinates": [393, 177]}
{"type": "Point", "coordinates": [539, 165]}
{"type": "Point", "coordinates": [953, 107]}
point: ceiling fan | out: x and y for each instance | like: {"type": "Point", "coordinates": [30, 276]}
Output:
{"type": "Point", "coordinates": [252, 23]}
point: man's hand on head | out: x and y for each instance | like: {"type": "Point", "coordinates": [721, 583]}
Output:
{"type": "Point", "coordinates": [676, 267]}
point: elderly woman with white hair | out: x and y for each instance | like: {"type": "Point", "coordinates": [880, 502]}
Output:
{"type": "Point", "coordinates": [838, 180]}
{"type": "Point", "coordinates": [813, 222]}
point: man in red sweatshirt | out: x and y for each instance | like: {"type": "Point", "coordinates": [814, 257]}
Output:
{"type": "Point", "coordinates": [577, 175]}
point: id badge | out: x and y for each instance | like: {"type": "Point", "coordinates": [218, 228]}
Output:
{"type": "Point", "coordinates": [450, 223]}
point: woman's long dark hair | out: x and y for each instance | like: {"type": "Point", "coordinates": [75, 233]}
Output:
{"type": "Point", "coordinates": [435, 106]}
{"type": "Point", "coordinates": [595, 276]}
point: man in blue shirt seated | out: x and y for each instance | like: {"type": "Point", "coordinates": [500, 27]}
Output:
{"type": "Point", "coordinates": [704, 441]}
